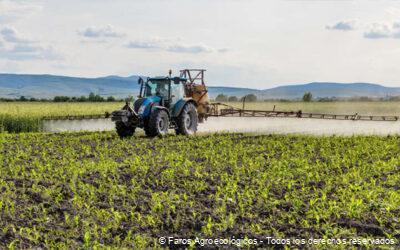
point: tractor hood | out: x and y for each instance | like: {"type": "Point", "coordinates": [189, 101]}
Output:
{"type": "Point", "coordinates": [145, 109]}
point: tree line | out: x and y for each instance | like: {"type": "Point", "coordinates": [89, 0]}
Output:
{"type": "Point", "coordinates": [92, 97]}
{"type": "Point", "coordinates": [225, 98]}
{"type": "Point", "coordinates": [307, 97]}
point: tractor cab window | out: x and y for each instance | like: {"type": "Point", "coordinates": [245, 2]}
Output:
{"type": "Point", "coordinates": [162, 89]}
{"type": "Point", "coordinates": [156, 88]}
{"type": "Point", "coordinates": [149, 89]}
{"type": "Point", "coordinates": [177, 92]}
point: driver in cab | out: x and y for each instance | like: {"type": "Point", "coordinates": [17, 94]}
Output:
{"type": "Point", "coordinates": [162, 90]}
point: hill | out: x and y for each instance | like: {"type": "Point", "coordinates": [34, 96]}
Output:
{"type": "Point", "coordinates": [330, 89]}
{"type": "Point", "coordinates": [48, 86]}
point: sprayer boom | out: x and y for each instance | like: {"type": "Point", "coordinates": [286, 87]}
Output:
{"type": "Point", "coordinates": [223, 110]}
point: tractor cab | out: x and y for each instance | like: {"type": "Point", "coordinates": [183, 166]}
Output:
{"type": "Point", "coordinates": [169, 90]}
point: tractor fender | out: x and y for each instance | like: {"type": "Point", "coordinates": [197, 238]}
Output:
{"type": "Point", "coordinates": [178, 107]}
{"type": "Point", "coordinates": [156, 107]}
{"type": "Point", "coordinates": [147, 105]}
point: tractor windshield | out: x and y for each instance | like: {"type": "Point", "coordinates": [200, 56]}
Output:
{"type": "Point", "coordinates": [156, 88]}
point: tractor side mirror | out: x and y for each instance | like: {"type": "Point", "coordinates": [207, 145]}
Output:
{"type": "Point", "coordinates": [176, 80]}
{"type": "Point", "coordinates": [140, 80]}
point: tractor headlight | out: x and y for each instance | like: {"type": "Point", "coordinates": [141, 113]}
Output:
{"type": "Point", "coordinates": [141, 109]}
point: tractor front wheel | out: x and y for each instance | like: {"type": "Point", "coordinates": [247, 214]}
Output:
{"type": "Point", "coordinates": [158, 124]}
{"type": "Point", "coordinates": [187, 121]}
{"type": "Point", "coordinates": [124, 130]}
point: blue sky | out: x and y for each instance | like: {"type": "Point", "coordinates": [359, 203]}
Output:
{"type": "Point", "coordinates": [247, 43]}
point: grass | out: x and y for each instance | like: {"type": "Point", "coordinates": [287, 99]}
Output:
{"type": "Point", "coordinates": [93, 190]}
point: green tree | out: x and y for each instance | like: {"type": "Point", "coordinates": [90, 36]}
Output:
{"type": "Point", "coordinates": [307, 97]}
{"type": "Point", "coordinates": [95, 98]}
{"type": "Point", "coordinates": [82, 99]}
{"type": "Point", "coordinates": [98, 98]}
{"type": "Point", "coordinates": [110, 99]}
{"type": "Point", "coordinates": [221, 98]}
{"type": "Point", "coordinates": [249, 98]}
{"type": "Point", "coordinates": [61, 99]}
{"type": "Point", "coordinates": [92, 97]}
{"type": "Point", "coordinates": [233, 99]}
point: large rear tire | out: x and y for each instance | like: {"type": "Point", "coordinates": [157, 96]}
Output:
{"type": "Point", "coordinates": [187, 121]}
{"type": "Point", "coordinates": [158, 124]}
{"type": "Point", "coordinates": [124, 131]}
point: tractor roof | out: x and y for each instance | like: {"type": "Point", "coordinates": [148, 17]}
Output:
{"type": "Point", "coordinates": [159, 78]}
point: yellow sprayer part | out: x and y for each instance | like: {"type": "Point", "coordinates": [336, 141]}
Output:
{"type": "Point", "coordinates": [200, 95]}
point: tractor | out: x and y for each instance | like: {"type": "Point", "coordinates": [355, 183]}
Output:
{"type": "Point", "coordinates": [165, 103]}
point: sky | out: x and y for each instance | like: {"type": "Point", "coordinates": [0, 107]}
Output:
{"type": "Point", "coordinates": [241, 43]}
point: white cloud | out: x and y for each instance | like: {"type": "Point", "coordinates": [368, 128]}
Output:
{"type": "Point", "coordinates": [396, 25]}
{"type": "Point", "coordinates": [15, 46]}
{"type": "Point", "coordinates": [382, 30]}
{"type": "Point", "coordinates": [194, 49]}
{"type": "Point", "coordinates": [378, 30]}
{"type": "Point", "coordinates": [11, 35]}
{"type": "Point", "coordinates": [101, 32]}
{"type": "Point", "coordinates": [343, 25]}
{"type": "Point", "coordinates": [393, 11]}
{"type": "Point", "coordinates": [171, 46]}
{"type": "Point", "coordinates": [223, 50]}
{"type": "Point", "coordinates": [153, 43]}
{"type": "Point", "coordinates": [14, 10]}
{"type": "Point", "coordinates": [29, 52]}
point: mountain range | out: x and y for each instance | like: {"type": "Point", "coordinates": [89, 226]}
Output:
{"type": "Point", "coordinates": [48, 86]}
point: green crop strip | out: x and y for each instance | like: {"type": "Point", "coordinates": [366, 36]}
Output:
{"type": "Point", "coordinates": [93, 190]}
{"type": "Point", "coordinates": [18, 124]}
{"type": "Point", "coordinates": [27, 116]}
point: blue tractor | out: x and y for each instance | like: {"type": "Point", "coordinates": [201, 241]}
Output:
{"type": "Point", "coordinates": [163, 103]}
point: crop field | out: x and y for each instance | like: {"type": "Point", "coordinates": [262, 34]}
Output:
{"type": "Point", "coordinates": [27, 116]}
{"type": "Point", "coordinates": [94, 190]}
{"type": "Point", "coordinates": [39, 109]}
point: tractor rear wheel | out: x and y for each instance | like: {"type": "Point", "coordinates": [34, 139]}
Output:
{"type": "Point", "coordinates": [124, 130]}
{"type": "Point", "coordinates": [187, 121]}
{"type": "Point", "coordinates": [158, 124]}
